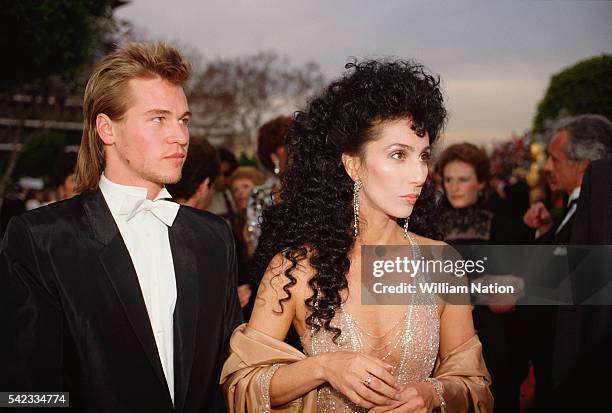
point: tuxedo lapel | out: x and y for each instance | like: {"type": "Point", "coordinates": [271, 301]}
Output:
{"type": "Point", "coordinates": [186, 309]}
{"type": "Point", "coordinates": [118, 265]}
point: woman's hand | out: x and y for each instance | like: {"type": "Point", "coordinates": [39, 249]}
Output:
{"type": "Point", "coordinates": [413, 398]}
{"type": "Point", "coordinates": [364, 380]}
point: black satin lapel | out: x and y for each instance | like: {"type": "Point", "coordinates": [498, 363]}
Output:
{"type": "Point", "coordinates": [186, 309]}
{"type": "Point", "coordinates": [116, 261]}
{"type": "Point", "coordinates": [100, 217]}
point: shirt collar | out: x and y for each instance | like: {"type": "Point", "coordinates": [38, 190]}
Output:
{"type": "Point", "coordinates": [573, 196]}
{"type": "Point", "coordinates": [123, 200]}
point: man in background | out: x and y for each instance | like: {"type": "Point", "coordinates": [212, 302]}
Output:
{"type": "Point", "coordinates": [576, 142]}
{"type": "Point", "coordinates": [200, 170]}
{"type": "Point", "coordinates": [64, 177]}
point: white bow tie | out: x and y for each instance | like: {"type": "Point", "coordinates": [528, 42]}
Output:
{"type": "Point", "coordinates": [164, 210]}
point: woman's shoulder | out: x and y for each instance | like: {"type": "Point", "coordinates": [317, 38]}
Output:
{"type": "Point", "coordinates": [286, 273]}
{"type": "Point", "coordinates": [421, 240]}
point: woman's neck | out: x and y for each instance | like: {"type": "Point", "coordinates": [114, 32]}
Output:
{"type": "Point", "coordinates": [378, 229]}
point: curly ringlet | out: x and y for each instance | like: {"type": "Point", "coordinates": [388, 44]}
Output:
{"type": "Point", "coordinates": [313, 220]}
{"type": "Point", "coordinates": [107, 91]}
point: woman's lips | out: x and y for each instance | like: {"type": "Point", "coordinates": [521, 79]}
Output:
{"type": "Point", "coordinates": [411, 198]}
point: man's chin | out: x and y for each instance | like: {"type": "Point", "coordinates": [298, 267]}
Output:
{"type": "Point", "coordinates": [170, 179]}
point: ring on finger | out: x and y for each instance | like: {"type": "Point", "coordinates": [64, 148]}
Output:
{"type": "Point", "coordinates": [367, 381]}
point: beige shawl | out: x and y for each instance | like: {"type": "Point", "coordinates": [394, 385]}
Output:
{"type": "Point", "coordinates": [255, 356]}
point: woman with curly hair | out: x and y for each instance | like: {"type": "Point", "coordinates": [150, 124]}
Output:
{"type": "Point", "coordinates": [358, 157]}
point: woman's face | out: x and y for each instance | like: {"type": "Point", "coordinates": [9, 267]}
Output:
{"type": "Point", "coordinates": [241, 188]}
{"type": "Point", "coordinates": [461, 184]}
{"type": "Point", "coordinates": [394, 168]}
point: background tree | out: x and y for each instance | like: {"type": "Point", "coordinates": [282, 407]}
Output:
{"type": "Point", "coordinates": [49, 44]}
{"type": "Point", "coordinates": [232, 97]}
{"type": "Point", "coordinates": [585, 87]}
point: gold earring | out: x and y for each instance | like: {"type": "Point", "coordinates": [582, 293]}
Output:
{"type": "Point", "coordinates": [406, 227]}
{"type": "Point", "coordinates": [356, 188]}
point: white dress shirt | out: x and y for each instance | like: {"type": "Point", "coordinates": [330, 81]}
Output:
{"type": "Point", "coordinates": [572, 206]}
{"type": "Point", "coordinates": [143, 225]}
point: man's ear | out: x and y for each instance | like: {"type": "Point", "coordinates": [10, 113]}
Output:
{"type": "Point", "coordinates": [352, 164]}
{"type": "Point", "coordinates": [105, 129]}
{"type": "Point", "coordinates": [583, 164]}
{"type": "Point", "coordinates": [203, 188]}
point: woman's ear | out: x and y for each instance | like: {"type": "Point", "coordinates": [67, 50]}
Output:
{"type": "Point", "coordinates": [352, 164]}
{"type": "Point", "coordinates": [104, 127]}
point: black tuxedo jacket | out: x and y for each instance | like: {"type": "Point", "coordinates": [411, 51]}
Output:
{"type": "Point", "coordinates": [74, 318]}
{"type": "Point", "coordinates": [541, 322]}
{"type": "Point", "coordinates": [593, 218]}
{"type": "Point", "coordinates": [584, 333]}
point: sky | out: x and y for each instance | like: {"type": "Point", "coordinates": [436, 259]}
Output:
{"type": "Point", "coordinates": [495, 58]}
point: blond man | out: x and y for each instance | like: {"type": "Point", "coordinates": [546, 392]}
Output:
{"type": "Point", "coordinates": [120, 297]}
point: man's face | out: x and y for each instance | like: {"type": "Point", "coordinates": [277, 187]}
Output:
{"type": "Point", "coordinates": [564, 175]}
{"type": "Point", "coordinates": [151, 140]}
{"type": "Point", "coordinates": [224, 173]}
{"type": "Point", "coordinates": [67, 189]}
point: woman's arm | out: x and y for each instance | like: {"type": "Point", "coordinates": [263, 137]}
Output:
{"type": "Point", "coordinates": [345, 371]}
{"type": "Point", "coordinates": [461, 369]}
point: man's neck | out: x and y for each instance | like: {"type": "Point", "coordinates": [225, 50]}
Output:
{"type": "Point", "coordinates": [151, 187]}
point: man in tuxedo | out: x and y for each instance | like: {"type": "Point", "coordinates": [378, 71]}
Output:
{"type": "Point", "coordinates": [576, 142]}
{"type": "Point", "coordinates": [593, 222]}
{"type": "Point", "coordinates": [584, 332]}
{"type": "Point", "coordinates": [122, 298]}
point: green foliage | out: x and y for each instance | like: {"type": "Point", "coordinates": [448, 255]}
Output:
{"type": "Point", "coordinates": [48, 37]}
{"type": "Point", "coordinates": [585, 87]}
{"type": "Point", "coordinates": [39, 156]}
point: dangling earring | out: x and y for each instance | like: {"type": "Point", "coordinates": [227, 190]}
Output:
{"type": "Point", "coordinates": [356, 188]}
{"type": "Point", "coordinates": [276, 166]}
{"type": "Point", "coordinates": [406, 227]}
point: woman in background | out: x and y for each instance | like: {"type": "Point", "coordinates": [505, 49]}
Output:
{"type": "Point", "coordinates": [465, 220]}
{"type": "Point", "coordinates": [272, 155]}
{"type": "Point", "coordinates": [241, 183]}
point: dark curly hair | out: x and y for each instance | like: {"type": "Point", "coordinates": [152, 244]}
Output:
{"type": "Point", "coordinates": [314, 217]}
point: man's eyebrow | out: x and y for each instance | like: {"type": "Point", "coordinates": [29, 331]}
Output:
{"type": "Point", "coordinates": [158, 112]}
{"type": "Point", "coordinates": [165, 112]}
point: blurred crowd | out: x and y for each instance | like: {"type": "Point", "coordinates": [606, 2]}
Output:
{"type": "Point", "coordinates": [478, 204]}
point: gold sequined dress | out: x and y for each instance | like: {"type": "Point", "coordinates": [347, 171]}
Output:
{"type": "Point", "coordinates": [410, 346]}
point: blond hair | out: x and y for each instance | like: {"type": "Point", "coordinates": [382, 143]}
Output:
{"type": "Point", "coordinates": [247, 172]}
{"type": "Point", "coordinates": [107, 92]}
